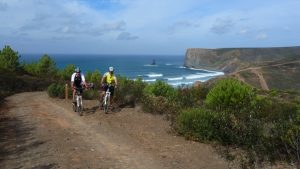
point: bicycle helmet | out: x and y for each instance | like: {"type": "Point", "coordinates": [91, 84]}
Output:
{"type": "Point", "coordinates": [77, 70]}
{"type": "Point", "coordinates": [111, 69]}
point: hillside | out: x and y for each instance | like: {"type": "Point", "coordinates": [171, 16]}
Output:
{"type": "Point", "coordinates": [264, 68]}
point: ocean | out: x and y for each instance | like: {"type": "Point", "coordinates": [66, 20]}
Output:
{"type": "Point", "coordinates": [150, 68]}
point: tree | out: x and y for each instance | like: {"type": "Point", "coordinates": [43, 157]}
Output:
{"type": "Point", "coordinates": [9, 59]}
{"type": "Point", "coordinates": [31, 68]}
{"type": "Point", "coordinates": [67, 72]}
{"type": "Point", "coordinates": [46, 66]}
{"type": "Point", "coordinates": [96, 78]}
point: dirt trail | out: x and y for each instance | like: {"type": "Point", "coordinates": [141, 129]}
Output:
{"type": "Point", "coordinates": [259, 67]}
{"type": "Point", "coordinates": [261, 78]}
{"type": "Point", "coordinates": [39, 132]}
{"type": "Point", "coordinates": [258, 72]}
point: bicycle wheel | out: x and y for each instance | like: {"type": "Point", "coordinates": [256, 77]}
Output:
{"type": "Point", "coordinates": [80, 110]}
{"type": "Point", "coordinates": [74, 107]}
{"type": "Point", "coordinates": [80, 107]}
{"type": "Point", "coordinates": [105, 107]}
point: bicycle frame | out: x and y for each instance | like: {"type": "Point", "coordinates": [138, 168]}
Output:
{"type": "Point", "coordinates": [78, 100]}
{"type": "Point", "coordinates": [78, 107]}
{"type": "Point", "coordinates": [106, 99]}
{"type": "Point", "coordinates": [107, 96]}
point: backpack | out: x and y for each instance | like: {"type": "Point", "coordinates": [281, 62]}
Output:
{"type": "Point", "coordinates": [77, 80]}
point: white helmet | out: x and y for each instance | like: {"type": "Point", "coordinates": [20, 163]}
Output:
{"type": "Point", "coordinates": [77, 70]}
{"type": "Point", "coordinates": [111, 69]}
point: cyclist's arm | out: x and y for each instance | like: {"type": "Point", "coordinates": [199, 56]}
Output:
{"type": "Point", "coordinates": [83, 80]}
{"type": "Point", "coordinates": [102, 80]}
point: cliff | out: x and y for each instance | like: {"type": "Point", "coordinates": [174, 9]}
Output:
{"type": "Point", "coordinates": [265, 68]}
{"type": "Point", "coordinates": [230, 60]}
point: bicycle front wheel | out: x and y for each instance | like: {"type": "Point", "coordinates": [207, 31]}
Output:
{"type": "Point", "coordinates": [80, 110]}
{"type": "Point", "coordinates": [74, 107]}
{"type": "Point", "coordinates": [105, 107]}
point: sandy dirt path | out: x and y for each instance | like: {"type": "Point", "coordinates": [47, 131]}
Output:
{"type": "Point", "coordinates": [40, 132]}
{"type": "Point", "coordinates": [261, 78]}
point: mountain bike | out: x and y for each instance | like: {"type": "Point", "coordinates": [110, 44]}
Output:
{"type": "Point", "coordinates": [78, 106]}
{"type": "Point", "coordinates": [106, 100]}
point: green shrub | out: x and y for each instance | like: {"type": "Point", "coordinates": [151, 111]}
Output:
{"type": "Point", "coordinates": [56, 90]}
{"type": "Point", "coordinates": [160, 88]}
{"type": "Point", "coordinates": [291, 141]}
{"type": "Point", "coordinates": [129, 92]}
{"type": "Point", "coordinates": [270, 109]}
{"type": "Point", "coordinates": [230, 94]}
{"type": "Point", "coordinates": [198, 123]}
{"type": "Point", "coordinates": [9, 59]}
{"type": "Point", "coordinates": [188, 97]}
{"type": "Point", "coordinates": [31, 68]}
{"type": "Point", "coordinates": [88, 76]}
{"type": "Point", "coordinates": [67, 72]}
{"type": "Point", "coordinates": [96, 78]}
{"type": "Point", "coordinates": [46, 66]}
{"type": "Point", "coordinates": [207, 125]}
{"type": "Point", "coordinates": [90, 94]}
{"type": "Point", "coordinates": [159, 105]}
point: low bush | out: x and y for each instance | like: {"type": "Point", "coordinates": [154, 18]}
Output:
{"type": "Point", "coordinates": [90, 94]}
{"type": "Point", "coordinates": [9, 59]}
{"type": "Point", "coordinates": [230, 94]}
{"type": "Point", "coordinates": [188, 97]}
{"type": "Point", "coordinates": [265, 125]}
{"type": "Point", "coordinates": [160, 88]}
{"type": "Point", "coordinates": [200, 124]}
{"type": "Point", "coordinates": [129, 92]}
{"type": "Point", "coordinates": [67, 72]}
{"type": "Point", "coordinates": [94, 77]}
{"type": "Point", "coordinates": [159, 105]}
{"type": "Point", "coordinates": [56, 90]}
{"type": "Point", "coordinates": [224, 127]}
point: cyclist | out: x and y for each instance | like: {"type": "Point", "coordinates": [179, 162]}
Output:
{"type": "Point", "coordinates": [77, 80]}
{"type": "Point", "coordinates": [108, 80]}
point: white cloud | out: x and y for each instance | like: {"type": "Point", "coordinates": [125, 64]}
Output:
{"type": "Point", "coordinates": [163, 24]}
{"type": "Point", "coordinates": [126, 36]}
{"type": "Point", "coordinates": [261, 36]}
{"type": "Point", "coordinates": [182, 25]}
{"type": "Point", "coordinates": [222, 25]}
{"type": "Point", "coordinates": [244, 31]}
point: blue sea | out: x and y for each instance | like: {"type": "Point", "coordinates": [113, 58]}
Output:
{"type": "Point", "coordinates": [168, 68]}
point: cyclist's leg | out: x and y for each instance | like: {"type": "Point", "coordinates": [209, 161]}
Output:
{"type": "Point", "coordinates": [81, 92]}
{"type": "Point", "coordinates": [73, 94]}
{"type": "Point", "coordinates": [112, 91]}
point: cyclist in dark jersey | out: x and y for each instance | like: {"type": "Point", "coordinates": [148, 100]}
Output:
{"type": "Point", "coordinates": [77, 80]}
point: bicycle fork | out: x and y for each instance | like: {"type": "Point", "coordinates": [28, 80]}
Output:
{"type": "Point", "coordinates": [107, 96]}
{"type": "Point", "coordinates": [79, 101]}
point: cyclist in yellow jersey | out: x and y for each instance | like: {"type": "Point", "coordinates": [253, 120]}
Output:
{"type": "Point", "coordinates": [108, 80]}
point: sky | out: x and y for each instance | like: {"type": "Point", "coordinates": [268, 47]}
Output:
{"type": "Point", "coordinates": [146, 26]}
